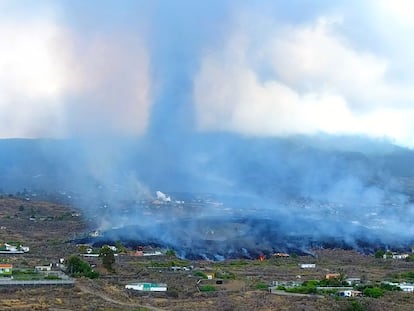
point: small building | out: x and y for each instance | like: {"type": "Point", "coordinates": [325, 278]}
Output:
{"type": "Point", "coordinates": [210, 275]}
{"type": "Point", "coordinates": [353, 281]}
{"type": "Point", "coordinates": [283, 255]}
{"type": "Point", "coordinates": [406, 287]}
{"type": "Point", "coordinates": [287, 284]}
{"type": "Point", "coordinates": [350, 293]}
{"type": "Point", "coordinates": [152, 253]}
{"type": "Point", "coordinates": [147, 287]}
{"type": "Point", "coordinates": [307, 266]}
{"type": "Point", "coordinates": [6, 269]}
{"type": "Point", "coordinates": [399, 256]}
{"type": "Point", "coordinates": [330, 276]}
{"type": "Point", "coordinates": [113, 248]}
{"type": "Point", "coordinates": [43, 268]}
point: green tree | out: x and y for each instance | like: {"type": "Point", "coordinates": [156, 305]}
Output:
{"type": "Point", "coordinates": [77, 267]}
{"type": "Point", "coordinates": [379, 253]}
{"type": "Point", "coordinates": [170, 253]}
{"type": "Point", "coordinates": [108, 257]}
{"type": "Point", "coordinates": [374, 292]}
{"type": "Point", "coordinates": [120, 247]}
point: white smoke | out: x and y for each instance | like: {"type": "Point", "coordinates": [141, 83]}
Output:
{"type": "Point", "coordinates": [162, 197]}
{"type": "Point", "coordinates": [58, 82]}
{"type": "Point", "coordinates": [301, 79]}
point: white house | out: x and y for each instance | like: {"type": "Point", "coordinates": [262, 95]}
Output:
{"type": "Point", "coordinates": [350, 293]}
{"type": "Point", "coordinates": [399, 256]}
{"type": "Point", "coordinates": [407, 287]}
{"type": "Point", "coordinates": [307, 266]}
{"type": "Point", "coordinates": [353, 281]}
{"type": "Point", "coordinates": [43, 268]}
{"type": "Point", "coordinates": [147, 287]}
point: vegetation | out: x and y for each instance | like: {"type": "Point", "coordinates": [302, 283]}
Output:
{"type": "Point", "coordinates": [239, 263]}
{"type": "Point", "coordinates": [207, 288]}
{"type": "Point", "coordinates": [379, 253]}
{"type": "Point", "coordinates": [355, 306]}
{"type": "Point", "coordinates": [305, 288]}
{"type": "Point", "coordinates": [167, 264]}
{"type": "Point", "coordinates": [108, 257]}
{"type": "Point", "coordinates": [261, 286]}
{"type": "Point", "coordinates": [410, 257]}
{"type": "Point", "coordinates": [374, 292]}
{"type": "Point", "coordinates": [226, 275]}
{"type": "Point", "coordinates": [52, 277]}
{"type": "Point", "coordinates": [339, 281]}
{"type": "Point", "coordinates": [404, 276]}
{"type": "Point", "coordinates": [120, 247]}
{"type": "Point", "coordinates": [200, 274]}
{"type": "Point", "coordinates": [77, 267]}
{"type": "Point", "coordinates": [170, 253]}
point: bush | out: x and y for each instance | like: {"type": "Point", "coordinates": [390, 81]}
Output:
{"type": "Point", "coordinates": [77, 267]}
{"type": "Point", "coordinates": [262, 286]}
{"type": "Point", "coordinates": [108, 257]}
{"type": "Point", "coordinates": [207, 288]}
{"type": "Point", "coordinates": [410, 257]}
{"type": "Point", "coordinates": [379, 253]}
{"type": "Point", "coordinates": [201, 274]}
{"type": "Point", "coordinates": [225, 275]}
{"type": "Point", "coordinates": [52, 277]}
{"type": "Point", "coordinates": [374, 292]}
{"type": "Point", "coordinates": [355, 306]}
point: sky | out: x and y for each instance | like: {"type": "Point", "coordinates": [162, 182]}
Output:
{"type": "Point", "coordinates": [249, 68]}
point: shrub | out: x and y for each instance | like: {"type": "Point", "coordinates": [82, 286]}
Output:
{"type": "Point", "coordinates": [355, 306]}
{"type": "Point", "coordinates": [379, 253]}
{"type": "Point", "coordinates": [374, 292]}
{"type": "Point", "coordinates": [77, 267]}
{"type": "Point", "coordinates": [261, 286]}
{"type": "Point", "coordinates": [201, 274]}
{"type": "Point", "coordinates": [207, 288]}
{"type": "Point", "coordinates": [52, 277]}
{"type": "Point", "coordinates": [225, 275]}
{"type": "Point", "coordinates": [108, 257]}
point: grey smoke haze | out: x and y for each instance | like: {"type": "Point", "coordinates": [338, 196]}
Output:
{"type": "Point", "coordinates": [302, 111]}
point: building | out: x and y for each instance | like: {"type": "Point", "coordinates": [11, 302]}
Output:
{"type": "Point", "coordinates": [350, 293]}
{"type": "Point", "coordinates": [287, 284]}
{"type": "Point", "coordinates": [399, 256]}
{"type": "Point", "coordinates": [6, 269]}
{"type": "Point", "coordinates": [210, 275]}
{"type": "Point", "coordinates": [406, 287]}
{"type": "Point", "coordinates": [12, 249]}
{"type": "Point", "coordinates": [147, 287]}
{"type": "Point", "coordinates": [353, 281]}
{"type": "Point", "coordinates": [281, 255]}
{"type": "Point", "coordinates": [330, 276]}
{"type": "Point", "coordinates": [307, 266]}
{"type": "Point", "coordinates": [43, 268]}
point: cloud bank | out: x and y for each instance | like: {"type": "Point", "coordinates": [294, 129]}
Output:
{"type": "Point", "coordinates": [304, 78]}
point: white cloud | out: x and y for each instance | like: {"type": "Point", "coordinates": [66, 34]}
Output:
{"type": "Point", "coordinates": [319, 82]}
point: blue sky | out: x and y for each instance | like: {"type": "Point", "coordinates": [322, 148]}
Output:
{"type": "Point", "coordinates": [254, 68]}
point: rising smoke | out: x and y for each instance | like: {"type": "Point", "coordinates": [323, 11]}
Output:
{"type": "Point", "coordinates": [253, 127]}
